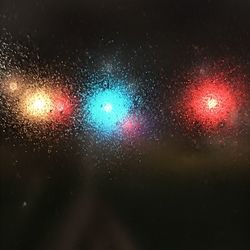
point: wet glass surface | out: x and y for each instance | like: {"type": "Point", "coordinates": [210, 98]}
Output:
{"type": "Point", "coordinates": [163, 160]}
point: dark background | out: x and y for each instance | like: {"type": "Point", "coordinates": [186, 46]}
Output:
{"type": "Point", "coordinates": [168, 193]}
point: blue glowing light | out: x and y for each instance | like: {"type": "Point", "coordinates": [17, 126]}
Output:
{"type": "Point", "coordinates": [108, 108]}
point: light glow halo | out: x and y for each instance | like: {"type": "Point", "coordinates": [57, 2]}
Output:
{"type": "Point", "coordinates": [37, 105]}
{"type": "Point", "coordinates": [211, 103]}
{"type": "Point", "coordinates": [108, 108]}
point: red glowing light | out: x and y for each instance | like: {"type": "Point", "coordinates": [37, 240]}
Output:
{"type": "Point", "coordinates": [62, 107]}
{"type": "Point", "coordinates": [211, 103]}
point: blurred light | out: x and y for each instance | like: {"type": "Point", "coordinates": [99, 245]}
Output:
{"type": "Point", "coordinates": [211, 103]}
{"type": "Point", "coordinates": [13, 86]}
{"type": "Point", "coordinates": [108, 108]}
{"type": "Point", "coordinates": [131, 125]}
{"type": "Point", "coordinates": [37, 105]}
{"type": "Point", "coordinates": [62, 106]}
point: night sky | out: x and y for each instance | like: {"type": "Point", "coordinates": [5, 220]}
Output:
{"type": "Point", "coordinates": [168, 177]}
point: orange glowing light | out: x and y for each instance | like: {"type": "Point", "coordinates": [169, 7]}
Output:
{"type": "Point", "coordinates": [37, 105]}
{"type": "Point", "coordinates": [13, 86]}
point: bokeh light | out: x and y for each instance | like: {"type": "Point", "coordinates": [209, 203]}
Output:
{"type": "Point", "coordinates": [63, 106]}
{"type": "Point", "coordinates": [108, 108]}
{"type": "Point", "coordinates": [131, 126]}
{"type": "Point", "coordinates": [13, 86]}
{"type": "Point", "coordinates": [211, 103]}
{"type": "Point", "coordinates": [37, 105]}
